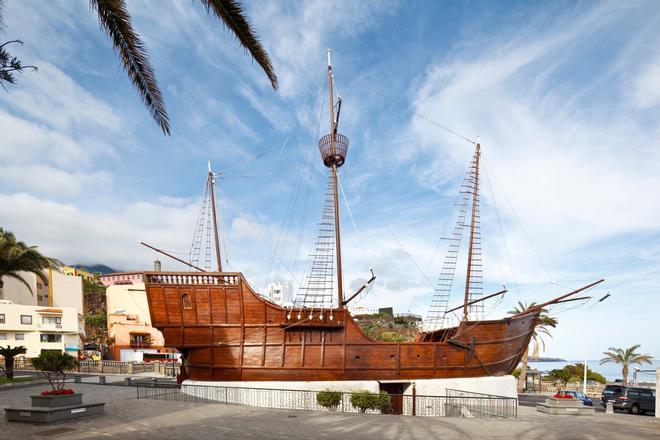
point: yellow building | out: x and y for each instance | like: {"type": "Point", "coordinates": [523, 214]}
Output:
{"type": "Point", "coordinates": [79, 272]}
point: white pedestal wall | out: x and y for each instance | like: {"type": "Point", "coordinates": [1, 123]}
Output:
{"type": "Point", "coordinates": [657, 384]}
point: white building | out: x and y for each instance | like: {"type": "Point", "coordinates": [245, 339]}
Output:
{"type": "Point", "coordinates": [50, 317]}
{"type": "Point", "coordinates": [41, 328]}
{"type": "Point", "coordinates": [280, 294]}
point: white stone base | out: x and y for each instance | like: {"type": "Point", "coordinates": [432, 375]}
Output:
{"type": "Point", "coordinates": [499, 386]}
{"type": "Point", "coordinates": [261, 394]}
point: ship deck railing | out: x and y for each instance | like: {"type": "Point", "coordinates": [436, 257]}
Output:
{"type": "Point", "coordinates": [455, 403]}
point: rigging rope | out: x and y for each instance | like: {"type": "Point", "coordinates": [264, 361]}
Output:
{"type": "Point", "coordinates": [416, 113]}
{"type": "Point", "coordinates": [522, 227]}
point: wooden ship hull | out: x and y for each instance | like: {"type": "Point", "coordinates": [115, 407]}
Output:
{"type": "Point", "coordinates": [226, 332]}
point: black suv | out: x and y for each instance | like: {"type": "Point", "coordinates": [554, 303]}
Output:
{"type": "Point", "coordinates": [635, 400]}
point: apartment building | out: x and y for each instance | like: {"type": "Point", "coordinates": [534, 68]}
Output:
{"type": "Point", "coordinates": [41, 328]}
{"type": "Point", "coordinates": [47, 317]}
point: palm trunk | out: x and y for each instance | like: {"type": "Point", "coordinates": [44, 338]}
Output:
{"type": "Point", "coordinates": [624, 373]}
{"type": "Point", "coordinates": [523, 373]}
{"type": "Point", "coordinates": [9, 367]}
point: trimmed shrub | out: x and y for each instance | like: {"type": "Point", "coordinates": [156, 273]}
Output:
{"type": "Point", "coordinates": [329, 399]}
{"type": "Point", "coordinates": [364, 400]}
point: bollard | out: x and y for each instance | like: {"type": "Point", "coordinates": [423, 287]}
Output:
{"type": "Point", "coordinates": [102, 380]}
{"type": "Point", "coordinates": [129, 381]}
{"type": "Point", "coordinates": [155, 381]}
{"type": "Point", "coordinates": [609, 408]}
{"type": "Point", "coordinates": [77, 379]}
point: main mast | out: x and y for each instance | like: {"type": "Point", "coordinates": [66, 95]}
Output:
{"type": "Point", "coordinates": [473, 222]}
{"type": "Point", "coordinates": [333, 147]}
{"type": "Point", "coordinates": [211, 184]}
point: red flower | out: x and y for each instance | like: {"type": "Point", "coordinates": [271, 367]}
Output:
{"type": "Point", "coordinates": [57, 392]}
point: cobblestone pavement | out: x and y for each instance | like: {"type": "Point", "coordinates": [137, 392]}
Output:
{"type": "Point", "coordinates": [127, 417]}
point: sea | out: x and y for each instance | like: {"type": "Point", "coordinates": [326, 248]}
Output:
{"type": "Point", "coordinates": [609, 370]}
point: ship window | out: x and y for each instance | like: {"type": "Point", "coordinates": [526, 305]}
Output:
{"type": "Point", "coordinates": [186, 301]}
{"type": "Point", "coordinates": [357, 356]}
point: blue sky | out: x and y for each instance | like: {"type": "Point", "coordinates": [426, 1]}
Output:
{"type": "Point", "coordinates": [565, 97]}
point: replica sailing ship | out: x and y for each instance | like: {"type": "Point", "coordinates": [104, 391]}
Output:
{"type": "Point", "coordinates": [225, 331]}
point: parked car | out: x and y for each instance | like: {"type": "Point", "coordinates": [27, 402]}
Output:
{"type": "Point", "coordinates": [566, 394]}
{"type": "Point", "coordinates": [635, 400]}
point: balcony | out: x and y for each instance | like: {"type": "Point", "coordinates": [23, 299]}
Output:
{"type": "Point", "coordinates": [140, 344]}
{"type": "Point", "coordinates": [50, 326]}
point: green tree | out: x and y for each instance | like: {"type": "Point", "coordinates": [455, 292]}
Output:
{"type": "Point", "coordinates": [626, 358]}
{"type": "Point", "coordinates": [16, 256]}
{"type": "Point", "coordinates": [542, 328]}
{"type": "Point", "coordinates": [53, 365]}
{"type": "Point", "coordinates": [9, 353]}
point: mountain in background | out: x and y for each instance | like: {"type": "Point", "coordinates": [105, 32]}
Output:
{"type": "Point", "coordinates": [96, 268]}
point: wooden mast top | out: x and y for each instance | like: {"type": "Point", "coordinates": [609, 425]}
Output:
{"type": "Point", "coordinates": [473, 220]}
{"type": "Point", "coordinates": [211, 183]}
{"type": "Point", "coordinates": [333, 148]}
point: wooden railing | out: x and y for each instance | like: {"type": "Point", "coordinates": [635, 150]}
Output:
{"type": "Point", "coordinates": [196, 278]}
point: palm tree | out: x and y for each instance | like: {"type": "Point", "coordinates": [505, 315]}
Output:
{"type": "Point", "coordinates": [16, 256]}
{"type": "Point", "coordinates": [9, 353]}
{"type": "Point", "coordinates": [542, 328]}
{"type": "Point", "coordinates": [116, 22]}
{"type": "Point", "coordinates": [626, 358]}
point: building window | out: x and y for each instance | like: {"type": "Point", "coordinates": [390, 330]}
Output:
{"type": "Point", "coordinates": [20, 336]}
{"type": "Point", "coordinates": [3, 336]}
{"type": "Point", "coordinates": [49, 337]}
{"type": "Point", "coordinates": [2, 318]}
{"type": "Point", "coordinates": [186, 301]}
{"type": "Point", "coordinates": [26, 319]}
{"type": "Point", "coordinates": [40, 286]}
{"type": "Point", "coordinates": [53, 320]}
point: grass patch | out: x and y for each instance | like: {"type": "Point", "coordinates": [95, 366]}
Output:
{"type": "Point", "coordinates": [4, 380]}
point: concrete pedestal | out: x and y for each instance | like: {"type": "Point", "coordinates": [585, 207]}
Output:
{"type": "Point", "coordinates": [49, 409]}
{"type": "Point", "coordinates": [573, 407]}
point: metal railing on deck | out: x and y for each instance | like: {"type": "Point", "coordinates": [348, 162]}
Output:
{"type": "Point", "coordinates": [455, 404]}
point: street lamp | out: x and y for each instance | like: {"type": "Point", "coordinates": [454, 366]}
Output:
{"type": "Point", "coordinates": [584, 385]}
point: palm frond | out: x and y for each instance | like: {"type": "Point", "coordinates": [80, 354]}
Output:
{"type": "Point", "coordinates": [230, 12]}
{"type": "Point", "coordinates": [116, 22]}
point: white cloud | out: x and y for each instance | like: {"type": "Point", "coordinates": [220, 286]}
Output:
{"type": "Point", "coordinates": [646, 86]}
{"type": "Point", "coordinates": [46, 180]}
{"type": "Point", "coordinates": [572, 175]}
{"type": "Point", "coordinates": [297, 34]}
{"type": "Point", "coordinates": [52, 97]}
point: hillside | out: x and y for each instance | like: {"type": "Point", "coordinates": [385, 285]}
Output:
{"type": "Point", "coordinates": [385, 328]}
{"type": "Point", "coordinates": [95, 268]}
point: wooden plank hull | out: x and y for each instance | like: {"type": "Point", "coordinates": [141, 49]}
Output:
{"type": "Point", "coordinates": [226, 332]}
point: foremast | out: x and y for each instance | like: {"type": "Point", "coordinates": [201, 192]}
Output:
{"type": "Point", "coordinates": [473, 276]}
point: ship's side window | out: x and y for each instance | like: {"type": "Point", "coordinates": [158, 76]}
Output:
{"type": "Point", "coordinates": [186, 301]}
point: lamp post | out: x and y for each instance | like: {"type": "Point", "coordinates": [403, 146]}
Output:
{"type": "Point", "coordinates": [584, 384]}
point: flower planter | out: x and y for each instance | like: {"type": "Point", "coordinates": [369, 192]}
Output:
{"type": "Point", "coordinates": [54, 408]}
{"type": "Point", "coordinates": [57, 400]}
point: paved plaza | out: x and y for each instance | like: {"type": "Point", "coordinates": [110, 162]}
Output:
{"type": "Point", "coordinates": [129, 418]}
